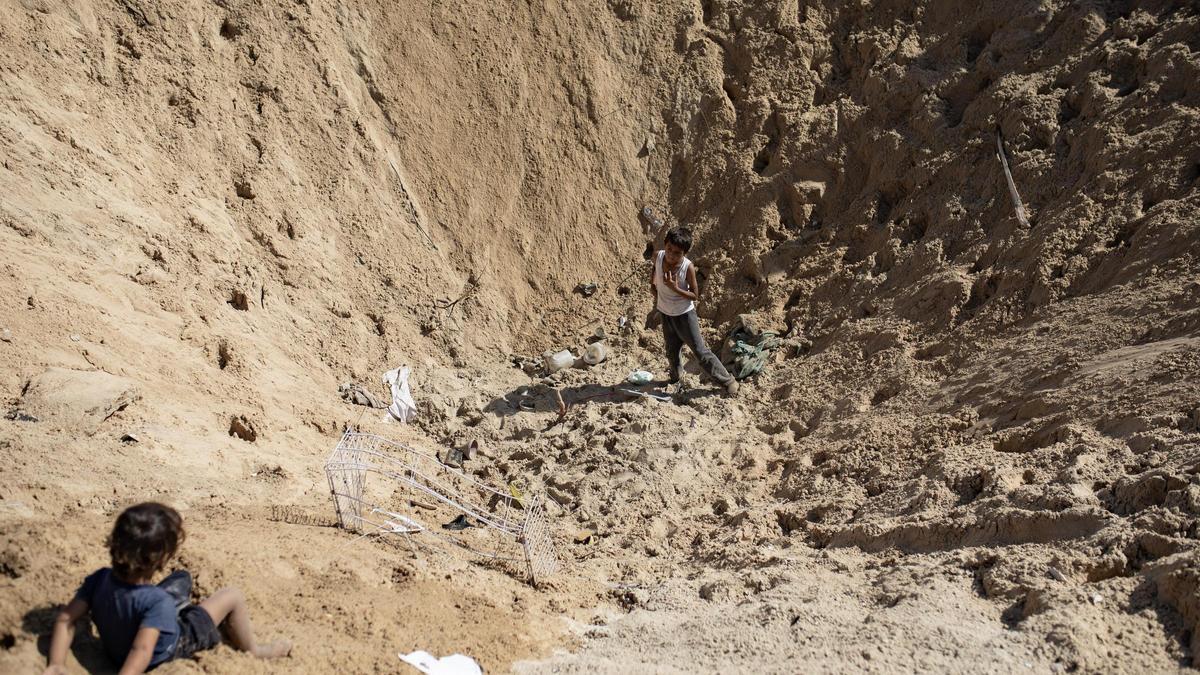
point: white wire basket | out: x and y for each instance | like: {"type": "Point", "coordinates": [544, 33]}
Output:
{"type": "Point", "coordinates": [409, 489]}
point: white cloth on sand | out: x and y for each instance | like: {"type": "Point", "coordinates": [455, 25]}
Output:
{"type": "Point", "coordinates": [402, 408]}
{"type": "Point", "coordinates": [455, 664]}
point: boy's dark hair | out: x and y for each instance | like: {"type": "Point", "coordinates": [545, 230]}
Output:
{"type": "Point", "coordinates": [681, 237]}
{"type": "Point", "coordinates": [143, 539]}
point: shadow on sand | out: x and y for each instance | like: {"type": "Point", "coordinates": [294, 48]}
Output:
{"type": "Point", "coordinates": [541, 398]}
{"type": "Point", "coordinates": [86, 648]}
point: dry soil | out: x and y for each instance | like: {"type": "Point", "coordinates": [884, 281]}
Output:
{"type": "Point", "coordinates": [977, 449]}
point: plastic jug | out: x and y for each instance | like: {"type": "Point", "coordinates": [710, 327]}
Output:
{"type": "Point", "coordinates": [596, 352]}
{"type": "Point", "coordinates": [558, 361]}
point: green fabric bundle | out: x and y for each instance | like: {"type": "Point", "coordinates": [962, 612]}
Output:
{"type": "Point", "coordinates": [750, 352]}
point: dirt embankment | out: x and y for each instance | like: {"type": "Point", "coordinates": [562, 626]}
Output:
{"type": "Point", "coordinates": [978, 444]}
{"type": "Point", "coordinates": [1020, 398]}
{"type": "Point", "coordinates": [218, 213]}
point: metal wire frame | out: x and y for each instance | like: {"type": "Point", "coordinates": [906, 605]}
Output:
{"type": "Point", "coordinates": [537, 543]}
{"type": "Point", "coordinates": [434, 479]}
{"type": "Point", "coordinates": [358, 454]}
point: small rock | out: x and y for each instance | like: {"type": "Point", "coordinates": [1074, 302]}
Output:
{"type": "Point", "coordinates": [1096, 598]}
{"type": "Point", "coordinates": [242, 428]}
{"type": "Point", "coordinates": [1058, 575]}
{"type": "Point", "coordinates": [17, 415]}
{"type": "Point", "coordinates": [130, 438]}
{"type": "Point", "coordinates": [6, 335]}
{"type": "Point", "coordinates": [559, 496]}
{"type": "Point", "coordinates": [75, 338]}
{"type": "Point", "coordinates": [452, 457]}
{"type": "Point", "coordinates": [243, 189]}
{"type": "Point", "coordinates": [738, 519]}
{"type": "Point", "coordinates": [630, 597]}
{"type": "Point", "coordinates": [714, 591]}
{"type": "Point", "coordinates": [150, 276]}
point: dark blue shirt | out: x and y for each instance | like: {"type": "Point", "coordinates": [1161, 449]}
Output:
{"type": "Point", "coordinates": [120, 609]}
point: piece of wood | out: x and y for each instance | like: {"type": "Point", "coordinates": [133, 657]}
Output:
{"type": "Point", "coordinates": [1012, 186]}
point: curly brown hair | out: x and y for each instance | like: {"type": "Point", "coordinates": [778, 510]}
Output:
{"type": "Point", "coordinates": [143, 539]}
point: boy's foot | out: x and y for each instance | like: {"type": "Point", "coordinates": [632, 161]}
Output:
{"type": "Point", "coordinates": [273, 650]}
{"type": "Point", "coordinates": [732, 387]}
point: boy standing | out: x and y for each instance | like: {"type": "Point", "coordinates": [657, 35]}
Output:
{"type": "Point", "coordinates": [675, 290]}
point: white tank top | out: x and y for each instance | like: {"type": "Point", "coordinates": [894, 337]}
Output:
{"type": "Point", "coordinates": [670, 302]}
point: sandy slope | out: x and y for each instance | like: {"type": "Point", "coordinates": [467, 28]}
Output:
{"type": "Point", "coordinates": [977, 448]}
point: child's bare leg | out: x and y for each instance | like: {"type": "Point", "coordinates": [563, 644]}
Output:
{"type": "Point", "coordinates": [228, 604]}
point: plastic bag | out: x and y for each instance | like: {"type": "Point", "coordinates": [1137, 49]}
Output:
{"type": "Point", "coordinates": [403, 407]}
{"type": "Point", "coordinates": [640, 377]}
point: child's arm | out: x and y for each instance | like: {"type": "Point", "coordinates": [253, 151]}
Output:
{"type": "Point", "coordinates": [692, 283]}
{"type": "Point", "coordinates": [141, 652]}
{"type": "Point", "coordinates": [63, 635]}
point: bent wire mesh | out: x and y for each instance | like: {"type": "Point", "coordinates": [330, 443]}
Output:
{"type": "Point", "coordinates": [411, 493]}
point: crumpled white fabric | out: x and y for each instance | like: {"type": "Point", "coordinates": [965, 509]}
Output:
{"type": "Point", "coordinates": [455, 664]}
{"type": "Point", "coordinates": [403, 407]}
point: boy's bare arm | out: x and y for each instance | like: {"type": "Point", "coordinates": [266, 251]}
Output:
{"type": "Point", "coordinates": [692, 283]}
{"type": "Point", "coordinates": [63, 635]}
{"type": "Point", "coordinates": [141, 652]}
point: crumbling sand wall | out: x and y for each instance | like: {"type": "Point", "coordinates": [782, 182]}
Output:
{"type": "Point", "coordinates": [960, 380]}
{"type": "Point", "coordinates": [866, 134]}
{"type": "Point", "coordinates": [234, 207]}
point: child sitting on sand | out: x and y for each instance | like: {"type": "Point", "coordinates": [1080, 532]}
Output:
{"type": "Point", "coordinates": [142, 626]}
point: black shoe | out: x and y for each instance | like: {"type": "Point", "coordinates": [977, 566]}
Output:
{"type": "Point", "coordinates": [459, 523]}
{"type": "Point", "coordinates": [178, 585]}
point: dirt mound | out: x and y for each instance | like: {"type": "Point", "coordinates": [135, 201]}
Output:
{"type": "Point", "coordinates": [978, 442]}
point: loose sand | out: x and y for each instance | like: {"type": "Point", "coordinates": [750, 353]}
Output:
{"type": "Point", "coordinates": [978, 449]}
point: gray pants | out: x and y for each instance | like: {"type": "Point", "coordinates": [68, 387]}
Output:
{"type": "Point", "coordinates": [685, 330]}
